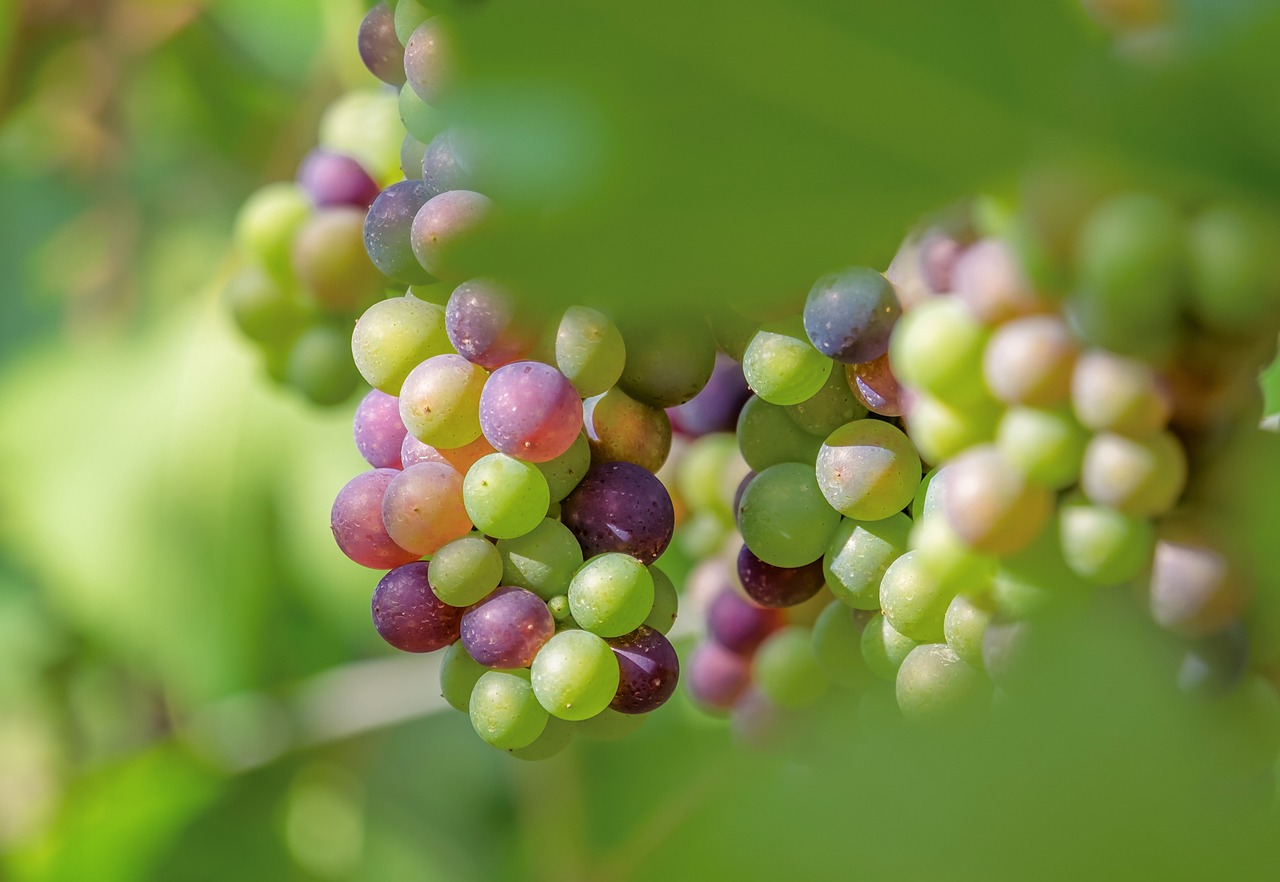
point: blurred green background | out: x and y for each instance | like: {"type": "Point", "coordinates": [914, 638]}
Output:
{"type": "Point", "coordinates": [189, 685]}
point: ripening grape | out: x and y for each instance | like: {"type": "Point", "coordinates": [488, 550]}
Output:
{"type": "Point", "coordinates": [504, 710]}
{"type": "Point", "coordinates": [768, 436]}
{"type": "Point", "coordinates": [329, 260]}
{"type": "Point", "coordinates": [868, 470]}
{"type": "Point", "coordinates": [265, 310]}
{"type": "Point", "coordinates": [466, 570]}
{"type": "Point", "coordinates": [1029, 361]}
{"type": "Point", "coordinates": [529, 410]}
{"type": "Point", "coordinates": [333, 179]}
{"type": "Point", "coordinates": [783, 517]}
{"type": "Point", "coordinates": [589, 350]}
{"type": "Point", "coordinates": [912, 601]}
{"type": "Point", "coordinates": [267, 224]}
{"type": "Point", "coordinates": [388, 232]}
{"type": "Point", "coordinates": [942, 431]}
{"type": "Point", "coordinates": [849, 314]}
{"type": "Point", "coordinates": [773, 586]}
{"type": "Point", "coordinates": [883, 648]}
{"type": "Point", "coordinates": [448, 163]}
{"type": "Point", "coordinates": [440, 401]}
{"type": "Point", "coordinates": [542, 560]}
{"type": "Point", "coordinates": [611, 594]}
{"type": "Point", "coordinates": [459, 673]}
{"type": "Point", "coordinates": [362, 124]}
{"type": "Point", "coordinates": [505, 497]}
{"type": "Point", "coordinates": [988, 279]}
{"type": "Point", "coordinates": [858, 555]}
{"type": "Point", "coordinates": [938, 348]}
{"type": "Point", "coordinates": [565, 471]}
{"type": "Point", "coordinates": [460, 458]}
{"type": "Point", "coordinates": [620, 507]}
{"type": "Point", "coordinates": [575, 675]}
{"type": "Point", "coordinates": [429, 60]}
{"type": "Point", "coordinates": [876, 387]}
{"type": "Point", "coordinates": [716, 407]}
{"type": "Point", "coordinates": [356, 521]}
{"type": "Point", "coordinates": [621, 429]}
{"type": "Point", "coordinates": [830, 408]}
{"type": "Point", "coordinates": [992, 507]}
{"type": "Point", "coordinates": [423, 509]}
{"type": "Point", "coordinates": [380, 48]}
{"type": "Point", "coordinates": [507, 628]}
{"type": "Point", "coordinates": [739, 625]}
{"type": "Point", "coordinates": [483, 326]}
{"type": "Point", "coordinates": [782, 366]}
{"type": "Point", "coordinates": [648, 671]}
{"type": "Point", "coordinates": [408, 615]}
{"type": "Point", "coordinates": [933, 683]}
{"type": "Point", "coordinates": [947, 558]}
{"type": "Point", "coordinates": [1111, 393]}
{"type": "Point", "coordinates": [379, 433]}
{"type": "Point", "coordinates": [785, 669]}
{"type": "Point", "coordinates": [1195, 590]}
{"type": "Point", "coordinates": [448, 232]}
{"type": "Point", "coordinates": [716, 677]}
{"type": "Point", "coordinates": [1136, 476]}
{"type": "Point", "coordinates": [393, 337]}
{"type": "Point", "coordinates": [666, 364]}
{"type": "Point", "coordinates": [1045, 446]}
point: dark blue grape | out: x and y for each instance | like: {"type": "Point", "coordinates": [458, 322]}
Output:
{"type": "Point", "coordinates": [620, 507]}
{"type": "Point", "coordinates": [716, 407]}
{"type": "Point", "coordinates": [408, 614]}
{"type": "Point", "coordinates": [387, 232]}
{"type": "Point", "coordinates": [773, 586]}
{"type": "Point", "coordinates": [649, 670]}
{"type": "Point", "coordinates": [848, 315]}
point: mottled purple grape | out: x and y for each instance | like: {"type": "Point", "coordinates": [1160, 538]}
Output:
{"type": "Point", "coordinates": [356, 521]}
{"type": "Point", "coordinates": [334, 179]}
{"type": "Point", "coordinates": [773, 586]}
{"type": "Point", "coordinates": [530, 410]}
{"type": "Point", "coordinates": [448, 164]}
{"type": "Point", "coordinates": [482, 324]}
{"type": "Point", "coordinates": [738, 624]}
{"type": "Point", "coordinates": [388, 229]}
{"type": "Point", "coordinates": [715, 677]}
{"type": "Point", "coordinates": [408, 614]}
{"type": "Point", "coordinates": [449, 232]}
{"type": "Point", "coordinates": [380, 48]}
{"type": "Point", "coordinates": [378, 430]}
{"type": "Point", "coordinates": [716, 407]}
{"type": "Point", "coordinates": [620, 507]}
{"type": "Point", "coordinates": [849, 314]}
{"type": "Point", "coordinates": [507, 628]}
{"type": "Point", "coordinates": [649, 670]}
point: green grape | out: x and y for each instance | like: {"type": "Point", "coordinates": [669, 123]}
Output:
{"type": "Point", "coordinates": [565, 471]}
{"type": "Point", "coordinates": [868, 470]}
{"type": "Point", "coordinates": [1111, 393]}
{"type": "Point", "coordinates": [782, 366]}
{"type": "Point", "coordinates": [837, 646]}
{"type": "Point", "coordinates": [419, 118]}
{"type": "Point", "coordinates": [267, 224]}
{"type": "Point", "coordinates": [786, 670]}
{"type": "Point", "coordinates": [883, 648]}
{"type": "Point", "coordinates": [942, 432]}
{"type": "Point", "coordinates": [912, 601]}
{"type": "Point", "coordinates": [611, 594]}
{"type": "Point", "coordinates": [435, 292]}
{"type": "Point", "coordinates": [992, 507]}
{"type": "Point", "coordinates": [393, 337]}
{"type": "Point", "coordinates": [559, 606]}
{"type": "Point", "coordinates": [264, 310]}
{"type": "Point", "coordinates": [459, 673]}
{"type": "Point", "coordinates": [933, 683]}
{"type": "Point", "coordinates": [928, 498]}
{"type": "Point", "coordinates": [410, 14]}
{"type": "Point", "coordinates": [542, 560]}
{"type": "Point", "coordinates": [318, 365]}
{"type": "Point", "coordinates": [589, 350]}
{"type": "Point", "coordinates": [767, 436]}
{"type": "Point", "coordinates": [557, 736]}
{"type": "Point", "coordinates": [505, 497]}
{"type": "Point", "coordinates": [330, 261]}
{"type": "Point", "coordinates": [859, 554]}
{"type": "Point", "coordinates": [703, 535]}
{"type": "Point", "coordinates": [1136, 476]}
{"type": "Point", "coordinates": [1130, 268]}
{"type": "Point", "coordinates": [783, 518]}
{"type": "Point", "coordinates": [575, 675]}
{"type": "Point", "coordinates": [1234, 271]}
{"type": "Point", "coordinates": [966, 624]}
{"type": "Point", "coordinates": [1103, 545]}
{"type": "Point", "coordinates": [610, 725]}
{"type": "Point", "coordinates": [440, 402]}
{"type": "Point", "coordinates": [1045, 446]}
{"type": "Point", "coordinates": [937, 348]}
{"type": "Point", "coordinates": [504, 710]}
{"type": "Point", "coordinates": [830, 408]}
{"type": "Point", "coordinates": [666, 602]}
{"type": "Point", "coordinates": [465, 571]}
{"type": "Point", "coordinates": [667, 364]}
{"type": "Point", "coordinates": [365, 125]}
{"type": "Point", "coordinates": [945, 556]}
{"type": "Point", "coordinates": [700, 473]}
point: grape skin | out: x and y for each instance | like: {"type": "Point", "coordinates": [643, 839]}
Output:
{"type": "Point", "coordinates": [848, 315]}
{"type": "Point", "coordinates": [715, 677]}
{"type": "Point", "coordinates": [648, 671]}
{"type": "Point", "coordinates": [620, 507]}
{"type": "Point", "coordinates": [380, 48]}
{"type": "Point", "coordinates": [408, 615]}
{"type": "Point", "coordinates": [774, 586]}
{"type": "Point", "coordinates": [378, 430]}
{"type": "Point", "coordinates": [388, 232]}
{"type": "Point", "coordinates": [356, 521]}
{"type": "Point", "coordinates": [531, 411]}
{"type": "Point", "coordinates": [423, 508]}
{"type": "Point", "coordinates": [507, 628]}
{"type": "Point", "coordinates": [738, 625]}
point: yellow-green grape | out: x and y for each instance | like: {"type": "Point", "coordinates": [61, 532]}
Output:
{"type": "Point", "coordinates": [1029, 361]}
{"type": "Point", "coordinates": [265, 310]}
{"type": "Point", "coordinates": [1045, 446]}
{"type": "Point", "coordinates": [589, 350]}
{"type": "Point", "coordinates": [465, 570]}
{"type": "Point", "coordinates": [699, 473]}
{"type": "Point", "coordinates": [505, 497]}
{"type": "Point", "coordinates": [504, 710]}
{"type": "Point", "coordinates": [859, 554]}
{"type": "Point", "coordinates": [565, 471]}
{"type": "Point", "coordinates": [575, 675]}
{"type": "Point", "coordinates": [786, 670]}
{"type": "Point", "coordinates": [883, 648]}
{"type": "Point", "coordinates": [868, 470]}
{"type": "Point", "coordinates": [1136, 476]}
{"type": "Point", "coordinates": [933, 683]}
{"type": "Point", "coordinates": [966, 624]}
{"type": "Point", "coordinates": [543, 560]}
{"type": "Point", "coordinates": [459, 673]}
{"type": "Point", "coordinates": [1111, 393]}
{"type": "Point", "coordinates": [767, 436]}
{"type": "Point", "coordinates": [267, 224]}
{"type": "Point", "coordinates": [946, 557]}
{"type": "Point", "coordinates": [829, 408]}
{"type": "Point", "coordinates": [783, 518]}
{"type": "Point", "coordinates": [781, 365]}
{"type": "Point", "coordinates": [365, 125]}
{"type": "Point", "coordinates": [1103, 545]}
{"type": "Point", "coordinates": [318, 366]}
{"type": "Point", "coordinates": [1234, 270]}
{"type": "Point", "coordinates": [912, 601]}
{"type": "Point", "coordinates": [942, 431]}
{"type": "Point", "coordinates": [937, 348]}
{"type": "Point", "coordinates": [837, 645]}
{"type": "Point", "coordinates": [611, 594]}
{"type": "Point", "coordinates": [393, 337]}
{"type": "Point", "coordinates": [440, 401]}
{"type": "Point", "coordinates": [666, 602]}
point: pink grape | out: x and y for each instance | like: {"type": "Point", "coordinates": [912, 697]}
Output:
{"type": "Point", "coordinates": [407, 613]}
{"type": "Point", "coordinates": [356, 521]}
{"type": "Point", "coordinates": [378, 430]}
{"type": "Point", "coordinates": [529, 410]}
{"type": "Point", "coordinates": [423, 509]}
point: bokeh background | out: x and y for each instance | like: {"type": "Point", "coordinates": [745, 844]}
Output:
{"type": "Point", "coordinates": [190, 688]}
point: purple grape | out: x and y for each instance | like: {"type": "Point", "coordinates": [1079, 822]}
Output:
{"type": "Point", "coordinates": [739, 625]}
{"type": "Point", "coordinates": [649, 671]}
{"type": "Point", "coordinates": [742, 488]}
{"type": "Point", "coordinates": [413, 451]}
{"type": "Point", "coordinates": [715, 677]}
{"type": "Point", "coordinates": [334, 179]}
{"type": "Point", "coordinates": [620, 507]}
{"type": "Point", "coordinates": [482, 325]}
{"type": "Point", "coordinates": [874, 384]}
{"type": "Point", "coordinates": [446, 164]}
{"type": "Point", "coordinates": [388, 229]}
{"type": "Point", "coordinates": [380, 48]}
{"type": "Point", "coordinates": [849, 314]}
{"type": "Point", "coordinates": [378, 430]}
{"type": "Point", "coordinates": [356, 521]}
{"type": "Point", "coordinates": [448, 233]}
{"type": "Point", "coordinates": [529, 410]}
{"type": "Point", "coordinates": [507, 628]}
{"type": "Point", "coordinates": [716, 407]}
{"type": "Point", "coordinates": [938, 256]}
{"type": "Point", "coordinates": [774, 586]}
{"type": "Point", "coordinates": [429, 59]}
{"type": "Point", "coordinates": [408, 614]}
